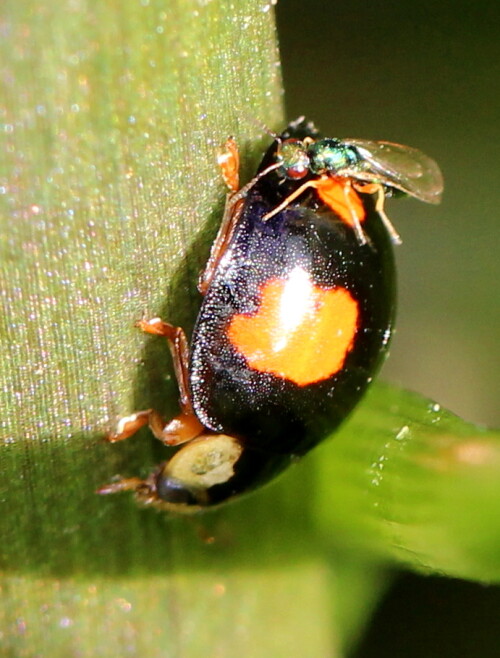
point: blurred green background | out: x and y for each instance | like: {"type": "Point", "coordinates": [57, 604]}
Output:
{"type": "Point", "coordinates": [423, 74]}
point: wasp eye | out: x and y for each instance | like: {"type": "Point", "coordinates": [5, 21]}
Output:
{"type": "Point", "coordinates": [294, 159]}
{"type": "Point", "coordinates": [331, 156]}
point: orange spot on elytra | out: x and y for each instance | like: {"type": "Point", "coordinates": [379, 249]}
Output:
{"type": "Point", "coordinates": [333, 192]}
{"type": "Point", "coordinates": [301, 332]}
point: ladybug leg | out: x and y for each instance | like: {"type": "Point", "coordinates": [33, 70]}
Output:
{"type": "Point", "coordinates": [126, 484]}
{"type": "Point", "coordinates": [229, 161]}
{"type": "Point", "coordinates": [232, 212]}
{"type": "Point", "coordinates": [186, 425]}
{"type": "Point", "coordinates": [144, 490]}
{"type": "Point", "coordinates": [376, 188]}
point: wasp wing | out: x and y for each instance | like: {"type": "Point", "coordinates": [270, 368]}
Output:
{"type": "Point", "coordinates": [402, 167]}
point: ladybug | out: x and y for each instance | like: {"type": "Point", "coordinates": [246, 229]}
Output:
{"type": "Point", "coordinates": [297, 313]}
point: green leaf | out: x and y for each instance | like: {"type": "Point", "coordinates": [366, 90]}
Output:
{"type": "Point", "coordinates": [409, 480]}
{"type": "Point", "coordinates": [110, 196]}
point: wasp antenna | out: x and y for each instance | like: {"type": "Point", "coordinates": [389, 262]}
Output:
{"type": "Point", "coordinates": [261, 125]}
{"type": "Point", "coordinates": [241, 194]}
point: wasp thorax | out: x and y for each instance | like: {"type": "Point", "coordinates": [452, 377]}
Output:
{"type": "Point", "coordinates": [294, 159]}
{"type": "Point", "coordinates": [331, 156]}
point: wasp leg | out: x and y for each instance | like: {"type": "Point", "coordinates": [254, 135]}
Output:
{"type": "Point", "coordinates": [376, 188]}
{"type": "Point", "coordinates": [291, 197]}
{"type": "Point", "coordinates": [323, 185]}
{"type": "Point", "coordinates": [186, 425]}
{"type": "Point", "coordinates": [356, 223]}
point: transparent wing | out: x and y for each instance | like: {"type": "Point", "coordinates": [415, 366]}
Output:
{"type": "Point", "coordinates": [402, 167]}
